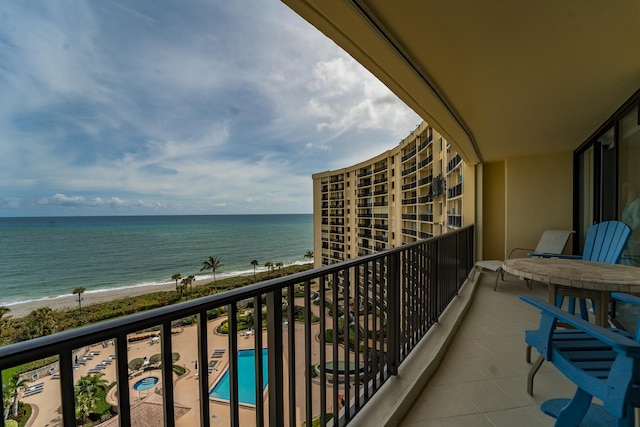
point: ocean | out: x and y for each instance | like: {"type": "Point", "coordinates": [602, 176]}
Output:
{"type": "Point", "coordinates": [47, 257]}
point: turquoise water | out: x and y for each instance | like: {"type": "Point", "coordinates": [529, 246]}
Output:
{"type": "Point", "coordinates": [48, 257]}
{"type": "Point", "coordinates": [146, 383]}
{"type": "Point", "coordinates": [246, 378]}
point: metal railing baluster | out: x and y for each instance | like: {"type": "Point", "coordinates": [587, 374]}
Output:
{"type": "Point", "coordinates": [203, 370]}
{"type": "Point", "coordinates": [259, 366]}
{"type": "Point", "coordinates": [167, 373]}
{"type": "Point", "coordinates": [401, 291]}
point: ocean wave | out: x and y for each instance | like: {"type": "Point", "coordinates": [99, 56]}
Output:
{"type": "Point", "coordinates": [150, 285]}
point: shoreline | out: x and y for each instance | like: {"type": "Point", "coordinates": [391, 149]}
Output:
{"type": "Point", "coordinates": [22, 309]}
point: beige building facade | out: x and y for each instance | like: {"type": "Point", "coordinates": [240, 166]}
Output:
{"type": "Point", "coordinates": [414, 191]}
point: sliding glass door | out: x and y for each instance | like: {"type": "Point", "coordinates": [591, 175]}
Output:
{"type": "Point", "coordinates": [607, 178]}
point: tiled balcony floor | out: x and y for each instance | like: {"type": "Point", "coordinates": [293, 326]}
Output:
{"type": "Point", "coordinates": [482, 380]}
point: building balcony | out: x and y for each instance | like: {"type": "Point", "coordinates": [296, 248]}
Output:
{"type": "Point", "coordinates": [409, 170]}
{"type": "Point", "coordinates": [380, 180]}
{"type": "Point", "coordinates": [380, 169]}
{"type": "Point", "coordinates": [411, 217]}
{"type": "Point", "coordinates": [454, 191]}
{"type": "Point", "coordinates": [454, 220]}
{"type": "Point", "coordinates": [293, 397]}
{"type": "Point", "coordinates": [409, 186]}
{"type": "Point", "coordinates": [426, 217]}
{"type": "Point", "coordinates": [409, 155]}
{"type": "Point", "coordinates": [411, 201]}
{"type": "Point", "coordinates": [426, 161]}
{"type": "Point", "coordinates": [481, 377]}
{"type": "Point", "coordinates": [453, 163]}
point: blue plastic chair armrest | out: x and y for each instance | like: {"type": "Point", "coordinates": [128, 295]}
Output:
{"type": "Point", "coordinates": [619, 342]}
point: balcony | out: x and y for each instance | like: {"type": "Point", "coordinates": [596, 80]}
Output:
{"type": "Point", "coordinates": [453, 163]}
{"type": "Point", "coordinates": [481, 378]}
{"type": "Point", "coordinates": [454, 220]}
{"type": "Point", "coordinates": [411, 201]}
{"type": "Point", "coordinates": [291, 395]}
{"type": "Point", "coordinates": [409, 155]}
{"type": "Point", "coordinates": [409, 170]}
{"type": "Point", "coordinates": [426, 161]}
{"type": "Point", "coordinates": [380, 180]}
{"type": "Point", "coordinates": [454, 191]}
{"type": "Point", "coordinates": [409, 186]}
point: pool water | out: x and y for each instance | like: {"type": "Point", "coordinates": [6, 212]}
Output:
{"type": "Point", "coordinates": [146, 383]}
{"type": "Point", "coordinates": [246, 378]}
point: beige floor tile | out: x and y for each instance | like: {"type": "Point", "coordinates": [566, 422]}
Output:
{"type": "Point", "coordinates": [463, 348]}
{"type": "Point", "coordinates": [487, 396]}
{"type": "Point", "coordinates": [445, 401]}
{"type": "Point", "coordinates": [513, 417]}
{"type": "Point", "coordinates": [482, 381]}
{"type": "Point", "coordinates": [493, 367]}
{"type": "Point", "coordinates": [456, 371]}
{"type": "Point", "coordinates": [475, 420]}
{"type": "Point", "coordinates": [502, 345]}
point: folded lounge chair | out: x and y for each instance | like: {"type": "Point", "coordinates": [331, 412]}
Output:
{"type": "Point", "coordinates": [552, 242]}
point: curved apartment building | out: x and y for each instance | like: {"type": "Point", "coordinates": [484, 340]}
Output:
{"type": "Point", "coordinates": [414, 191]}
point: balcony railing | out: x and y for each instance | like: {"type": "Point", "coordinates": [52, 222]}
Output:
{"type": "Point", "coordinates": [454, 191]}
{"type": "Point", "coordinates": [453, 163]}
{"type": "Point", "coordinates": [393, 297]}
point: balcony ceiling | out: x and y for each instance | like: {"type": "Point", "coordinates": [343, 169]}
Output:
{"type": "Point", "coordinates": [497, 78]}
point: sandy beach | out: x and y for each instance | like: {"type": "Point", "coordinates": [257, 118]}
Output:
{"type": "Point", "coordinates": [22, 309]}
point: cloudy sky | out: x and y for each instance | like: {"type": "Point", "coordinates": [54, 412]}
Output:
{"type": "Point", "coordinates": [158, 107]}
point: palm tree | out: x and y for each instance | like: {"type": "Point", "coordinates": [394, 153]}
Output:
{"type": "Point", "coordinates": [40, 322]}
{"type": "Point", "coordinates": [181, 288]}
{"type": "Point", "coordinates": [213, 264]}
{"type": "Point", "coordinates": [269, 265]}
{"type": "Point", "coordinates": [279, 264]}
{"type": "Point", "coordinates": [177, 277]}
{"type": "Point", "coordinates": [15, 385]}
{"type": "Point", "coordinates": [79, 291]}
{"type": "Point", "coordinates": [255, 264]}
{"type": "Point", "coordinates": [309, 254]}
{"type": "Point", "coordinates": [86, 392]}
{"type": "Point", "coordinates": [190, 279]}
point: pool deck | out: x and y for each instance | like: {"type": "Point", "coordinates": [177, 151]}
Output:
{"type": "Point", "coordinates": [46, 403]}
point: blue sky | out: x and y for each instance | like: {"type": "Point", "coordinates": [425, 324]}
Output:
{"type": "Point", "coordinates": [197, 107]}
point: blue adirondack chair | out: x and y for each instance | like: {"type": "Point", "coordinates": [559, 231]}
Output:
{"type": "Point", "coordinates": [604, 243]}
{"type": "Point", "coordinates": [603, 363]}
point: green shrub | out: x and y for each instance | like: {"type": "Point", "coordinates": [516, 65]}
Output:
{"type": "Point", "coordinates": [136, 363]}
{"type": "Point", "coordinates": [178, 370]}
{"type": "Point", "coordinates": [189, 320]}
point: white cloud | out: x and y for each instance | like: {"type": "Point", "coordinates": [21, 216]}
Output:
{"type": "Point", "coordinates": [145, 107]}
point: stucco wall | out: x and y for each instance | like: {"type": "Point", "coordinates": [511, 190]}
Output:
{"type": "Point", "coordinates": [493, 210]}
{"type": "Point", "coordinates": [538, 196]}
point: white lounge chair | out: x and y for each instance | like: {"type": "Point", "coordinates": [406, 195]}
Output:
{"type": "Point", "coordinates": [552, 242]}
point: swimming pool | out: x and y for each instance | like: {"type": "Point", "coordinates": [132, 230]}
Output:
{"type": "Point", "coordinates": [246, 378]}
{"type": "Point", "coordinates": [146, 383]}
